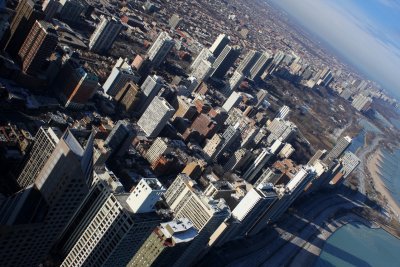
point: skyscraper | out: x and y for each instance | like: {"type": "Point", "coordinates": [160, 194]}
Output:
{"type": "Point", "coordinates": [253, 171]}
{"type": "Point", "coordinates": [204, 212]}
{"type": "Point", "coordinates": [105, 34]}
{"type": "Point", "coordinates": [110, 227]}
{"type": "Point", "coordinates": [26, 14]}
{"type": "Point", "coordinates": [160, 49]}
{"type": "Point", "coordinates": [260, 66]}
{"type": "Point", "coordinates": [286, 196]}
{"type": "Point", "coordinates": [165, 244]}
{"type": "Point", "coordinates": [220, 43]}
{"type": "Point", "coordinates": [120, 138]}
{"type": "Point", "coordinates": [119, 76]}
{"type": "Point", "coordinates": [225, 61]}
{"type": "Point", "coordinates": [205, 54]}
{"type": "Point", "coordinates": [233, 83]}
{"type": "Point", "coordinates": [71, 10]}
{"type": "Point", "coordinates": [283, 112]}
{"type": "Point", "coordinates": [156, 116]}
{"type": "Point", "coordinates": [37, 47]}
{"type": "Point", "coordinates": [246, 214]}
{"type": "Point", "coordinates": [35, 217]}
{"type": "Point", "coordinates": [248, 62]}
{"type": "Point", "coordinates": [361, 102]}
{"type": "Point", "coordinates": [157, 149]}
{"type": "Point", "coordinates": [150, 88]}
{"type": "Point", "coordinates": [233, 100]}
{"type": "Point", "coordinates": [129, 97]}
{"type": "Point", "coordinates": [51, 8]}
{"type": "Point", "coordinates": [46, 140]}
{"type": "Point", "coordinates": [342, 144]}
{"type": "Point", "coordinates": [76, 85]}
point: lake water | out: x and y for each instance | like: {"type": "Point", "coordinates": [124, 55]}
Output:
{"type": "Point", "coordinates": [390, 173]}
{"type": "Point", "coordinates": [358, 245]}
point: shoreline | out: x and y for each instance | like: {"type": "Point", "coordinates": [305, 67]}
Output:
{"type": "Point", "coordinates": [372, 168]}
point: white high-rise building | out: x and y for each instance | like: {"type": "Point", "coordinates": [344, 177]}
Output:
{"type": "Point", "coordinates": [225, 61]}
{"type": "Point", "coordinates": [105, 34]}
{"type": "Point", "coordinates": [283, 112]}
{"type": "Point", "coordinates": [45, 142]}
{"type": "Point", "coordinates": [349, 163]}
{"type": "Point", "coordinates": [342, 144]}
{"type": "Point", "coordinates": [111, 226]}
{"type": "Point", "coordinates": [157, 149]}
{"type": "Point", "coordinates": [150, 88]}
{"type": "Point", "coordinates": [246, 214]}
{"type": "Point", "coordinates": [286, 196]}
{"type": "Point", "coordinates": [203, 70]}
{"type": "Point", "coordinates": [254, 169]}
{"type": "Point", "coordinates": [233, 83]}
{"type": "Point", "coordinates": [206, 55]}
{"type": "Point", "coordinates": [156, 116]}
{"type": "Point", "coordinates": [280, 129]}
{"type": "Point", "coordinates": [220, 43]}
{"type": "Point", "coordinates": [260, 66]}
{"type": "Point", "coordinates": [233, 100]}
{"type": "Point", "coordinates": [204, 212]}
{"type": "Point", "coordinates": [121, 74]}
{"type": "Point", "coordinates": [361, 102]}
{"type": "Point", "coordinates": [160, 49]}
{"type": "Point", "coordinates": [248, 62]}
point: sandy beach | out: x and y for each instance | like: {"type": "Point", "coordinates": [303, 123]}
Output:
{"type": "Point", "coordinates": [373, 169]}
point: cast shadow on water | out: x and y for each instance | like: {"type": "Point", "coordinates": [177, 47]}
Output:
{"type": "Point", "coordinates": [269, 248]}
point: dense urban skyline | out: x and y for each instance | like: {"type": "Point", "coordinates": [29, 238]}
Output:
{"type": "Point", "coordinates": [366, 33]}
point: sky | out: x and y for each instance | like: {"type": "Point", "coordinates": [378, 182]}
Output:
{"type": "Point", "coordinates": [365, 32]}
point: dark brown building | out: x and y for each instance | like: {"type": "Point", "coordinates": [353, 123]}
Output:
{"type": "Point", "coordinates": [26, 14]}
{"type": "Point", "coordinates": [38, 46]}
{"type": "Point", "coordinates": [129, 97]}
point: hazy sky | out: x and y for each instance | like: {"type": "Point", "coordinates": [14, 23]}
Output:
{"type": "Point", "coordinates": [366, 32]}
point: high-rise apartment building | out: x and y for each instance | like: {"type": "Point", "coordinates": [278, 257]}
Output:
{"type": "Point", "coordinates": [26, 14]}
{"type": "Point", "coordinates": [51, 8]}
{"type": "Point", "coordinates": [150, 88]}
{"type": "Point", "coordinates": [281, 129]}
{"type": "Point", "coordinates": [105, 34]}
{"type": "Point", "coordinates": [260, 66]}
{"type": "Point", "coordinates": [349, 162]}
{"type": "Point", "coordinates": [32, 220]}
{"type": "Point", "coordinates": [159, 147]}
{"type": "Point", "coordinates": [76, 85]}
{"type": "Point", "coordinates": [121, 74]}
{"type": "Point", "coordinates": [248, 62]}
{"type": "Point", "coordinates": [160, 49]}
{"type": "Point", "coordinates": [46, 140]}
{"type": "Point", "coordinates": [203, 70]}
{"type": "Point", "coordinates": [220, 43]}
{"type": "Point", "coordinates": [165, 244]}
{"type": "Point", "coordinates": [37, 47]}
{"type": "Point", "coordinates": [156, 116]}
{"type": "Point", "coordinates": [110, 227]}
{"type": "Point", "coordinates": [283, 112]}
{"type": "Point", "coordinates": [120, 138]}
{"type": "Point", "coordinates": [233, 83]}
{"type": "Point", "coordinates": [342, 144]}
{"type": "Point", "coordinates": [233, 100]}
{"type": "Point", "coordinates": [225, 61]}
{"type": "Point", "coordinates": [204, 212]}
{"type": "Point", "coordinates": [253, 171]}
{"type": "Point", "coordinates": [361, 102]}
{"type": "Point", "coordinates": [206, 55]}
{"type": "Point", "coordinates": [286, 196]}
{"type": "Point", "coordinates": [246, 214]}
{"type": "Point", "coordinates": [71, 10]}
